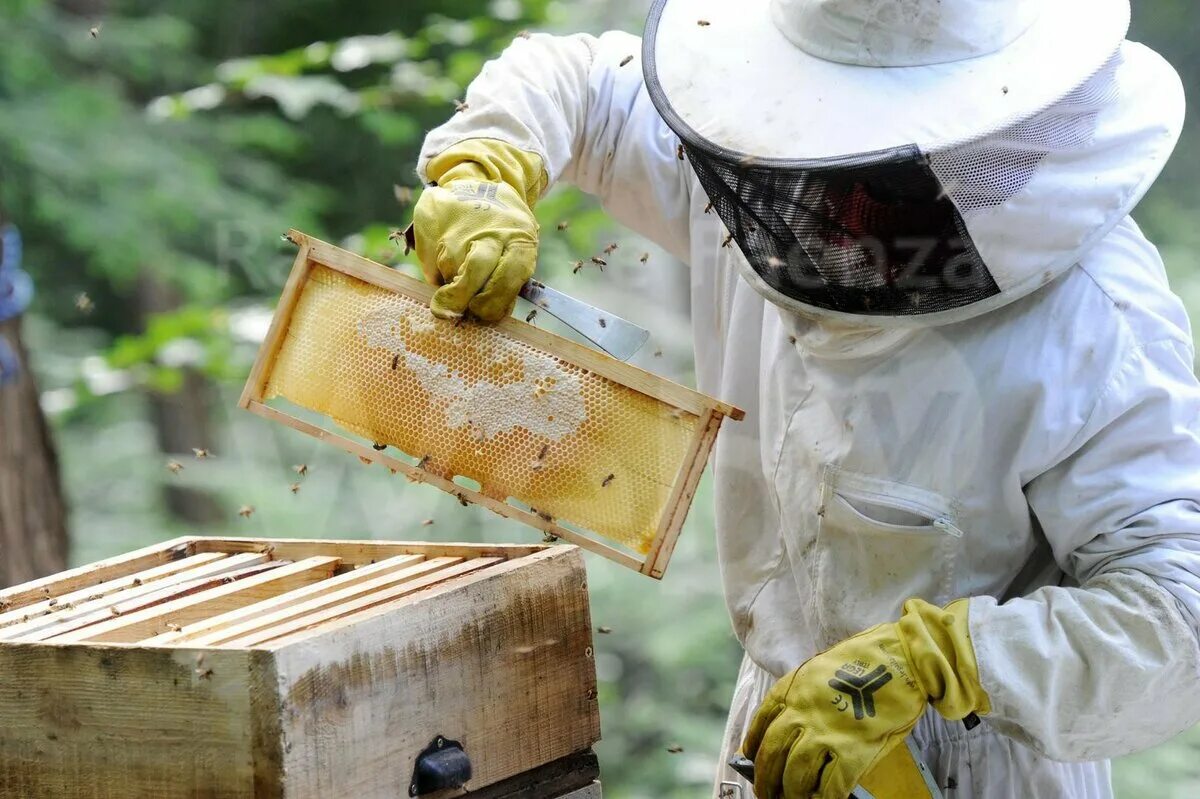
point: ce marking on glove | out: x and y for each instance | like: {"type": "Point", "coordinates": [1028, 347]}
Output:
{"type": "Point", "coordinates": [861, 689]}
{"type": "Point", "coordinates": [484, 194]}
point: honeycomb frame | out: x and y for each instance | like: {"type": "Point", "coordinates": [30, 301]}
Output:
{"type": "Point", "coordinates": [676, 425]}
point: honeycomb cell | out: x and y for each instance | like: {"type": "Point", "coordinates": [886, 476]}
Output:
{"type": "Point", "coordinates": [470, 400]}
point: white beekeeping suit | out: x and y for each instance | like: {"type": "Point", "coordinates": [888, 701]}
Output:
{"type": "Point", "coordinates": [1034, 447]}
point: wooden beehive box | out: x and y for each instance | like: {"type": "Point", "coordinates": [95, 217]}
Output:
{"type": "Point", "coordinates": [223, 668]}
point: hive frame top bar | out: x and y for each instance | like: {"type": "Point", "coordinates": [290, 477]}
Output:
{"type": "Point", "coordinates": [709, 412]}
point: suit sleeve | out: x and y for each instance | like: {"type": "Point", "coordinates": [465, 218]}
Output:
{"type": "Point", "coordinates": [578, 103]}
{"type": "Point", "coordinates": [1110, 666]}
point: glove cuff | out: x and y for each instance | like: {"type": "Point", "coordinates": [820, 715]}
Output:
{"type": "Point", "coordinates": [938, 642]}
{"type": "Point", "coordinates": [491, 159]}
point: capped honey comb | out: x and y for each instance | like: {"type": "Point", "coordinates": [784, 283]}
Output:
{"type": "Point", "coordinates": [587, 444]}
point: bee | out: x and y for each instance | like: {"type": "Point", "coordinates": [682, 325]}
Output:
{"type": "Point", "coordinates": [294, 488]}
{"type": "Point", "coordinates": [549, 538]}
{"type": "Point", "coordinates": [679, 152]}
{"type": "Point", "coordinates": [727, 241]}
{"type": "Point", "coordinates": [604, 630]}
{"type": "Point", "coordinates": [607, 480]}
{"type": "Point", "coordinates": [395, 361]}
{"type": "Point", "coordinates": [203, 673]}
{"type": "Point", "coordinates": [421, 464]}
{"type": "Point", "coordinates": [427, 523]}
{"type": "Point", "coordinates": [529, 317]}
{"type": "Point", "coordinates": [563, 225]}
{"type": "Point", "coordinates": [300, 469]}
{"type": "Point", "coordinates": [658, 353]}
{"type": "Point", "coordinates": [174, 627]}
{"type": "Point", "coordinates": [523, 35]}
{"type": "Point", "coordinates": [83, 303]}
{"type": "Point", "coordinates": [114, 611]}
{"type": "Point", "coordinates": [462, 499]}
{"type": "Point", "coordinates": [578, 266]}
{"type": "Point", "coordinates": [403, 195]}
{"type": "Point", "coordinates": [708, 208]}
{"type": "Point", "coordinates": [544, 452]}
{"type": "Point", "coordinates": [136, 581]}
{"type": "Point", "coordinates": [461, 106]}
{"type": "Point", "coordinates": [610, 249]}
{"type": "Point", "coordinates": [626, 60]}
{"type": "Point", "coordinates": [675, 749]}
{"type": "Point", "coordinates": [703, 23]}
{"type": "Point", "coordinates": [174, 467]}
{"type": "Point", "coordinates": [46, 590]}
{"type": "Point", "coordinates": [792, 340]}
{"type": "Point", "coordinates": [94, 31]}
{"type": "Point", "coordinates": [546, 517]}
{"type": "Point", "coordinates": [645, 257]}
{"type": "Point", "coordinates": [603, 322]}
{"type": "Point", "coordinates": [365, 460]}
{"type": "Point", "coordinates": [379, 447]}
{"type": "Point", "coordinates": [396, 235]}
{"type": "Point", "coordinates": [52, 603]}
{"type": "Point", "coordinates": [5, 604]}
{"type": "Point", "coordinates": [201, 454]}
{"type": "Point", "coordinates": [600, 262]}
{"type": "Point", "coordinates": [246, 511]}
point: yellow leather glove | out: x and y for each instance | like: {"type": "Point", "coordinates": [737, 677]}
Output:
{"type": "Point", "coordinates": [822, 728]}
{"type": "Point", "coordinates": [475, 232]}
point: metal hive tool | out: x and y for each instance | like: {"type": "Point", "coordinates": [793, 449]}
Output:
{"type": "Point", "coordinates": [587, 447]}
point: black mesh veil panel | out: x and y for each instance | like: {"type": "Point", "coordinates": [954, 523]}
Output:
{"type": "Point", "coordinates": [873, 235]}
{"type": "Point", "coordinates": [869, 234]}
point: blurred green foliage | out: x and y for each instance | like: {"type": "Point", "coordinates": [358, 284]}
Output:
{"type": "Point", "coordinates": [173, 142]}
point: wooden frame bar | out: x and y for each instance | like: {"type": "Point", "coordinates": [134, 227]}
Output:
{"type": "Point", "coordinates": [710, 412]}
{"type": "Point", "coordinates": [91, 611]}
{"type": "Point", "coordinates": [151, 621]}
{"type": "Point", "coordinates": [348, 610]}
{"type": "Point", "coordinates": [254, 617]}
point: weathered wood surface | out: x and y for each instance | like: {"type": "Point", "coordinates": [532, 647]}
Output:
{"type": "Point", "coordinates": [100, 723]}
{"type": "Point", "coordinates": [500, 660]}
{"type": "Point", "coordinates": [572, 777]}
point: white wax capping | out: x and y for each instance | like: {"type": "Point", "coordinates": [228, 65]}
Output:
{"type": "Point", "coordinates": [543, 398]}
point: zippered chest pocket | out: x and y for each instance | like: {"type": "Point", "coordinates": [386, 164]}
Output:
{"type": "Point", "coordinates": [878, 544]}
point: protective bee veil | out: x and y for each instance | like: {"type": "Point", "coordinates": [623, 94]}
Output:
{"type": "Point", "coordinates": [862, 179]}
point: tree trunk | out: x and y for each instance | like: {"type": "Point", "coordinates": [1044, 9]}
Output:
{"type": "Point", "coordinates": [33, 515]}
{"type": "Point", "coordinates": [182, 420]}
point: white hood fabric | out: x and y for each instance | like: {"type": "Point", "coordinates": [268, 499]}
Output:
{"type": "Point", "coordinates": [1043, 459]}
{"type": "Point", "coordinates": [1049, 111]}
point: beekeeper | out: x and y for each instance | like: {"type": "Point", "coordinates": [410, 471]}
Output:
{"type": "Point", "coordinates": [973, 416]}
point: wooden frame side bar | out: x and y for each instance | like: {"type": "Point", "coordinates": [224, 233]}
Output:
{"type": "Point", "coordinates": [675, 513]}
{"type": "Point", "coordinates": [357, 552]}
{"type": "Point", "coordinates": [94, 573]}
{"type": "Point", "coordinates": [260, 372]}
{"type": "Point", "coordinates": [288, 627]}
{"type": "Point", "coordinates": [369, 455]}
{"type": "Point", "coordinates": [619, 372]}
{"type": "Point", "coordinates": [188, 609]}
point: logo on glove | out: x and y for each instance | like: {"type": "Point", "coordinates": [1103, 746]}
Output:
{"type": "Point", "coordinates": [483, 194]}
{"type": "Point", "coordinates": [861, 689]}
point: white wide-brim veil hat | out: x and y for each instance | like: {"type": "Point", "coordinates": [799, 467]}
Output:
{"type": "Point", "coordinates": [1036, 119]}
